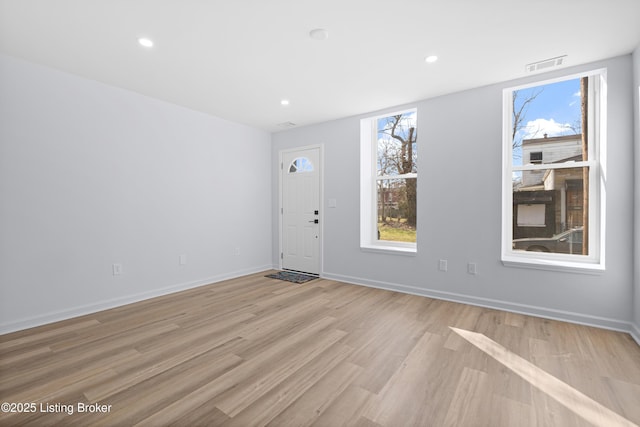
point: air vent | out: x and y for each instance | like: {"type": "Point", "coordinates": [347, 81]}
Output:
{"type": "Point", "coordinates": [286, 125]}
{"type": "Point", "coordinates": [546, 64]}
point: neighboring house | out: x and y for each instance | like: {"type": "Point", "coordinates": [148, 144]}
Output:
{"type": "Point", "coordinates": [389, 199]}
{"type": "Point", "coordinates": [547, 201]}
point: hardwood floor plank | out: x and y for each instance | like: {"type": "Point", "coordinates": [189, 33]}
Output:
{"type": "Point", "coordinates": [20, 357]}
{"type": "Point", "coordinates": [275, 320]}
{"type": "Point", "coordinates": [205, 415]}
{"type": "Point", "coordinates": [62, 362]}
{"type": "Point", "coordinates": [345, 409]}
{"type": "Point", "coordinates": [145, 367]}
{"type": "Point", "coordinates": [383, 354]}
{"type": "Point", "coordinates": [54, 392]}
{"type": "Point", "coordinates": [22, 338]}
{"type": "Point", "coordinates": [151, 396]}
{"type": "Point", "coordinates": [467, 404]}
{"type": "Point", "coordinates": [243, 395]}
{"type": "Point", "coordinates": [47, 390]}
{"type": "Point", "coordinates": [267, 407]}
{"type": "Point", "coordinates": [229, 379]}
{"type": "Point", "coordinates": [311, 406]}
{"type": "Point", "coordinates": [400, 396]}
{"type": "Point", "coordinates": [623, 397]}
{"type": "Point", "coordinates": [255, 351]}
{"type": "Point", "coordinates": [224, 329]}
{"type": "Point", "coordinates": [508, 412]}
{"type": "Point", "coordinates": [571, 398]}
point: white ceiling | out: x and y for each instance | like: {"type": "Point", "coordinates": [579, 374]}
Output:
{"type": "Point", "coordinates": [237, 59]}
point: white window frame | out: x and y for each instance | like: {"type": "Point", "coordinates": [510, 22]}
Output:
{"type": "Point", "coordinates": [594, 262]}
{"type": "Point", "coordinates": [368, 190]}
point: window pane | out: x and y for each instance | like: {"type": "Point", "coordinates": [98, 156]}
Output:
{"type": "Point", "coordinates": [550, 210]}
{"type": "Point", "coordinates": [397, 150]}
{"type": "Point", "coordinates": [547, 123]}
{"type": "Point", "coordinates": [396, 201]}
{"type": "Point", "coordinates": [301, 164]}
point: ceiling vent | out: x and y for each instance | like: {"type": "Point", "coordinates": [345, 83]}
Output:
{"type": "Point", "coordinates": [286, 125]}
{"type": "Point", "coordinates": [546, 64]}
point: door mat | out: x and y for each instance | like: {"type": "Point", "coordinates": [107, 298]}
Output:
{"type": "Point", "coordinates": [291, 276]}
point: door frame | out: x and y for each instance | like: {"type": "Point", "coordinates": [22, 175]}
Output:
{"type": "Point", "coordinates": [321, 215]}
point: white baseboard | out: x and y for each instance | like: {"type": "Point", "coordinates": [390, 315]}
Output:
{"type": "Point", "coordinates": [51, 317]}
{"type": "Point", "coordinates": [635, 332]}
{"type": "Point", "coordinates": [565, 316]}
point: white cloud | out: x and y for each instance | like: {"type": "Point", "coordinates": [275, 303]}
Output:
{"type": "Point", "coordinates": [538, 127]}
{"type": "Point", "coordinates": [575, 95]}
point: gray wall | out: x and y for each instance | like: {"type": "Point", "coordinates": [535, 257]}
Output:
{"type": "Point", "coordinates": [459, 209]}
{"type": "Point", "coordinates": [636, 92]}
{"type": "Point", "coordinates": [92, 175]}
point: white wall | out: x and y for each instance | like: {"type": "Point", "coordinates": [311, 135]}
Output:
{"type": "Point", "coordinates": [459, 210]}
{"type": "Point", "coordinates": [92, 175]}
{"type": "Point", "coordinates": [636, 109]}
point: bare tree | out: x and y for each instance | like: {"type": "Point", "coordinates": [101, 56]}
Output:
{"type": "Point", "coordinates": [400, 158]}
{"type": "Point", "coordinates": [520, 102]}
{"type": "Point", "coordinates": [386, 166]}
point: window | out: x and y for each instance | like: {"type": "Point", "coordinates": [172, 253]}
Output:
{"type": "Point", "coordinates": [300, 165]}
{"type": "Point", "coordinates": [389, 178]}
{"type": "Point", "coordinates": [535, 157]}
{"type": "Point", "coordinates": [553, 196]}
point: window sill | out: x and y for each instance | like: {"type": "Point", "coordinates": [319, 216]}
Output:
{"type": "Point", "coordinates": [391, 250]}
{"type": "Point", "coordinates": [553, 265]}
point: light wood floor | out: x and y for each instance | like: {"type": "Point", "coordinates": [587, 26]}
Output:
{"type": "Point", "coordinates": [257, 351]}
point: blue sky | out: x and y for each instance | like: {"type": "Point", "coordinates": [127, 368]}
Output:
{"type": "Point", "coordinates": [389, 148]}
{"type": "Point", "coordinates": [554, 111]}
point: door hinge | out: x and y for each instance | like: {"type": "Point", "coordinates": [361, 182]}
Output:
{"type": "Point", "coordinates": [281, 255]}
{"type": "Point", "coordinates": [281, 165]}
{"type": "Point", "coordinates": [281, 210]}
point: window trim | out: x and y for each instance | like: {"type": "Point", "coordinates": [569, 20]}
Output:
{"type": "Point", "coordinates": [368, 187]}
{"type": "Point", "coordinates": [596, 162]}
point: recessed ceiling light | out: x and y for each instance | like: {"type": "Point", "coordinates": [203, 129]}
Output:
{"type": "Point", "coordinates": [319, 34]}
{"type": "Point", "coordinates": [284, 102]}
{"type": "Point", "coordinates": [431, 59]}
{"type": "Point", "coordinates": [145, 42]}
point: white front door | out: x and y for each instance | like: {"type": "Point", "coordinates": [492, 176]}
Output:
{"type": "Point", "coordinates": [301, 210]}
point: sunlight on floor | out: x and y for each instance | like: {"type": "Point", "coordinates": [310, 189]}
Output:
{"type": "Point", "coordinates": [566, 395]}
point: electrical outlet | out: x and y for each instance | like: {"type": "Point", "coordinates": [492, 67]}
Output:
{"type": "Point", "coordinates": [117, 269]}
{"type": "Point", "coordinates": [182, 259]}
{"type": "Point", "coordinates": [472, 268]}
{"type": "Point", "coordinates": [236, 252]}
{"type": "Point", "coordinates": [442, 265]}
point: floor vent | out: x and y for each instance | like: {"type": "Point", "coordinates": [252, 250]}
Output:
{"type": "Point", "coordinates": [547, 63]}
